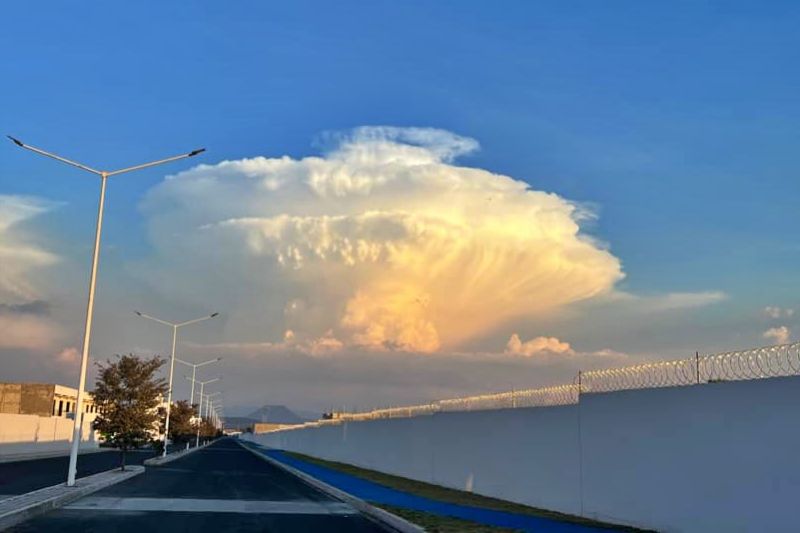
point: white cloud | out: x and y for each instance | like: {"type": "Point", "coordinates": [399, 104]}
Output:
{"type": "Point", "coordinates": [69, 356]}
{"type": "Point", "coordinates": [23, 315]}
{"type": "Point", "coordinates": [326, 344]}
{"type": "Point", "coordinates": [29, 332]}
{"type": "Point", "coordinates": [382, 242]}
{"type": "Point", "coordinates": [18, 255]}
{"type": "Point", "coordinates": [777, 312]}
{"type": "Point", "coordinates": [537, 346]}
{"type": "Point", "coordinates": [671, 301]}
{"type": "Point", "coordinates": [779, 335]}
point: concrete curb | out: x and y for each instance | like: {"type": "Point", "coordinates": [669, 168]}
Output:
{"type": "Point", "coordinates": [385, 518]}
{"type": "Point", "coordinates": [19, 508]}
{"type": "Point", "coordinates": [158, 461]}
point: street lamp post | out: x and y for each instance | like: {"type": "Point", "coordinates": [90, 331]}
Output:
{"type": "Point", "coordinates": [221, 417]}
{"type": "Point", "coordinates": [215, 416]}
{"type": "Point", "coordinates": [208, 401]}
{"type": "Point", "coordinates": [172, 361]}
{"type": "Point", "coordinates": [87, 332]}
{"type": "Point", "coordinates": [194, 372]}
{"type": "Point", "coordinates": [218, 416]}
{"type": "Point", "coordinates": [210, 406]}
{"type": "Point", "coordinates": [200, 414]}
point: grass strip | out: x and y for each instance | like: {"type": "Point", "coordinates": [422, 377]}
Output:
{"type": "Point", "coordinates": [460, 497]}
{"type": "Point", "coordinates": [433, 523]}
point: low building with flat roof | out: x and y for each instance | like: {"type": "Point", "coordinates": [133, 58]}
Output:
{"type": "Point", "coordinates": [42, 399]}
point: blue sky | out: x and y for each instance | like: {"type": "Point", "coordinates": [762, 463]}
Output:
{"type": "Point", "coordinates": [676, 121]}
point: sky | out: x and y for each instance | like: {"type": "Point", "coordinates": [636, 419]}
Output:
{"type": "Point", "coordinates": [400, 201]}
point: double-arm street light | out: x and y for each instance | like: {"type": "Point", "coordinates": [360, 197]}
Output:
{"type": "Point", "coordinates": [202, 386]}
{"type": "Point", "coordinates": [218, 411]}
{"type": "Point", "coordinates": [194, 372]}
{"type": "Point", "coordinates": [174, 327]}
{"type": "Point", "coordinates": [200, 414]}
{"type": "Point", "coordinates": [87, 332]}
{"type": "Point", "coordinates": [210, 404]}
{"type": "Point", "coordinates": [215, 414]}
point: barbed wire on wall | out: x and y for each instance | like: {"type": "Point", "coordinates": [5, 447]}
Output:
{"type": "Point", "coordinates": [758, 363]}
{"type": "Point", "coordinates": [390, 412]}
{"type": "Point", "coordinates": [644, 376]}
{"type": "Point", "coordinates": [755, 363]}
{"type": "Point", "coordinates": [545, 397]}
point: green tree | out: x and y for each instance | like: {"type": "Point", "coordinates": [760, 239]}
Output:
{"type": "Point", "coordinates": [128, 392]}
{"type": "Point", "coordinates": [181, 429]}
{"type": "Point", "coordinates": [207, 429]}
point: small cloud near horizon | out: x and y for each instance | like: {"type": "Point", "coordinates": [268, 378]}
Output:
{"type": "Point", "coordinates": [779, 335]}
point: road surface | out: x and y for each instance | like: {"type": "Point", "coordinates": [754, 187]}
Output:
{"type": "Point", "coordinates": [20, 477]}
{"type": "Point", "coordinates": [222, 487]}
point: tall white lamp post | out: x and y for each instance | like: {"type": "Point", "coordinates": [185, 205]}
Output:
{"type": "Point", "coordinates": [210, 406]}
{"type": "Point", "coordinates": [200, 414]}
{"type": "Point", "coordinates": [172, 361]}
{"type": "Point", "coordinates": [215, 415]}
{"type": "Point", "coordinates": [213, 406]}
{"type": "Point", "coordinates": [87, 332]}
{"type": "Point", "coordinates": [194, 372]}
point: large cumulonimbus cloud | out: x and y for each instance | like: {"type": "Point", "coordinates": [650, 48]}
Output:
{"type": "Point", "coordinates": [382, 243]}
{"type": "Point", "coordinates": [23, 314]}
{"type": "Point", "coordinates": [18, 255]}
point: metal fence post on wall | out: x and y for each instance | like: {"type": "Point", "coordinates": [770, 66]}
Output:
{"type": "Point", "coordinates": [697, 365]}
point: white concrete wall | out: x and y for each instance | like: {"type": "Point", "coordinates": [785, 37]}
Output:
{"type": "Point", "coordinates": [22, 435]}
{"type": "Point", "coordinates": [717, 457]}
{"type": "Point", "coordinates": [451, 449]}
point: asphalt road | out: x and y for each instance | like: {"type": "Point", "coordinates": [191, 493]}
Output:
{"type": "Point", "coordinates": [222, 487]}
{"type": "Point", "coordinates": [20, 477]}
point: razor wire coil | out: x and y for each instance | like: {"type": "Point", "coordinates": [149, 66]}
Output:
{"type": "Point", "coordinates": [755, 363]}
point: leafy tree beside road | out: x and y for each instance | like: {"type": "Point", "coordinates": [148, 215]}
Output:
{"type": "Point", "coordinates": [207, 429]}
{"type": "Point", "coordinates": [127, 393]}
{"type": "Point", "coordinates": [181, 429]}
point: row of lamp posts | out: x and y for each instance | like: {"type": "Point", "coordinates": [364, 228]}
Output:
{"type": "Point", "coordinates": [172, 360]}
{"type": "Point", "coordinates": [87, 335]}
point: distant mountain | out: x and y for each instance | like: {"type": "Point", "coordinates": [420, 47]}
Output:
{"type": "Point", "coordinates": [276, 414]}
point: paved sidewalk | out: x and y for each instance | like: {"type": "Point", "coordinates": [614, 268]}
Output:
{"type": "Point", "coordinates": [18, 508]}
{"type": "Point", "coordinates": [380, 494]}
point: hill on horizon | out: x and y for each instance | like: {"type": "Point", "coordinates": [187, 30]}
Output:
{"type": "Point", "coordinates": [276, 414]}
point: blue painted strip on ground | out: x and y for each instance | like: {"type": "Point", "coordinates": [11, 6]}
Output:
{"type": "Point", "coordinates": [376, 493]}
